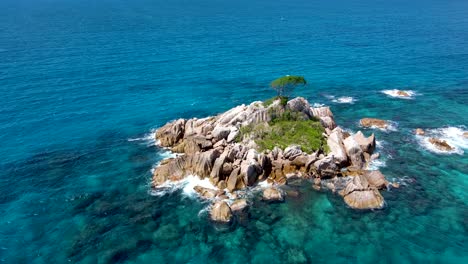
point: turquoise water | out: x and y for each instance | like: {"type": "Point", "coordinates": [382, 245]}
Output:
{"type": "Point", "coordinates": [84, 82]}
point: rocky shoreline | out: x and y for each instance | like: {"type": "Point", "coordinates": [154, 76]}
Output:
{"type": "Point", "coordinates": [217, 148]}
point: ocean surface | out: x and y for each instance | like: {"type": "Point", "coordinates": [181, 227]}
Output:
{"type": "Point", "coordinates": [83, 83]}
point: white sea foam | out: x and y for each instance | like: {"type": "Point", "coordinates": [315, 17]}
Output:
{"type": "Point", "coordinates": [192, 181]}
{"type": "Point", "coordinates": [452, 135]}
{"type": "Point", "coordinates": [317, 105]}
{"type": "Point", "coordinates": [149, 139]}
{"type": "Point", "coordinates": [344, 100]}
{"type": "Point", "coordinates": [186, 185]}
{"type": "Point", "coordinates": [395, 93]}
{"type": "Point", "coordinates": [376, 164]}
{"type": "Point", "coordinates": [379, 144]}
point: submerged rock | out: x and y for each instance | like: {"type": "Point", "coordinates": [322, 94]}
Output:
{"type": "Point", "coordinates": [272, 195]}
{"type": "Point", "coordinates": [221, 212]}
{"type": "Point", "coordinates": [374, 122]}
{"type": "Point", "coordinates": [440, 144]}
{"type": "Point", "coordinates": [419, 132]}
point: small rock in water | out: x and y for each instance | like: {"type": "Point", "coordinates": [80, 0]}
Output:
{"type": "Point", "coordinates": [239, 205]}
{"type": "Point", "coordinates": [465, 134]}
{"type": "Point", "coordinates": [272, 194]}
{"type": "Point", "coordinates": [221, 212]}
{"type": "Point", "coordinates": [419, 132]}
{"type": "Point", "coordinates": [205, 192]}
{"type": "Point", "coordinates": [440, 144]}
{"type": "Point", "coordinates": [373, 122]}
{"type": "Point", "coordinates": [403, 93]}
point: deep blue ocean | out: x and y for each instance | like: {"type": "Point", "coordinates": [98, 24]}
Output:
{"type": "Point", "coordinates": [84, 82]}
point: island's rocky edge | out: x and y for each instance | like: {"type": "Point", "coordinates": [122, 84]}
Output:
{"type": "Point", "coordinates": [210, 150]}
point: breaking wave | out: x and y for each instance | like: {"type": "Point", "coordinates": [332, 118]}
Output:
{"type": "Point", "coordinates": [452, 135]}
{"type": "Point", "coordinates": [403, 94]}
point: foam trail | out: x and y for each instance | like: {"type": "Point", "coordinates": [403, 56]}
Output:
{"type": "Point", "coordinates": [344, 100]}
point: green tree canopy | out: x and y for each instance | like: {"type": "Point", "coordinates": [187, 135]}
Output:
{"type": "Point", "coordinates": [286, 84]}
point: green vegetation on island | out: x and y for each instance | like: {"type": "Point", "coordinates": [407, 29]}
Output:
{"type": "Point", "coordinates": [286, 128]}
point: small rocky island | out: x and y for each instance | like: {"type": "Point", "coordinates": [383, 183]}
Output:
{"type": "Point", "coordinates": [270, 142]}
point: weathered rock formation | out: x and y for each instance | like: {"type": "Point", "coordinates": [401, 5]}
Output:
{"type": "Point", "coordinates": [362, 191]}
{"type": "Point", "coordinates": [212, 149]}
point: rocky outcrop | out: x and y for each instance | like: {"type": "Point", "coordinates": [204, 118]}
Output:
{"type": "Point", "coordinates": [325, 116]}
{"type": "Point", "coordinates": [440, 144]}
{"type": "Point", "coordinates": [175, 169]}
{"type": "Point", "coordinates": [337, 149]}
{"type": "Point", "coordinates": [374, 122]}
{"type": "Point", "coordinates": [171, 133]}
{"type": "Point", "coordinates": [211, 148]}
{"type": "Point", "coordinates": [354, 151]}
{"type": "Point", "coordinates": [360, 194]}
{"type": "Point", "coordinates": [465, 134]}
{"type": "Point", "coordinates": [221, 212]}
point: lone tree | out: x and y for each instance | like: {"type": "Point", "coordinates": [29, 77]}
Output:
{"type": "Point", "coordinates": [286, 84]}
